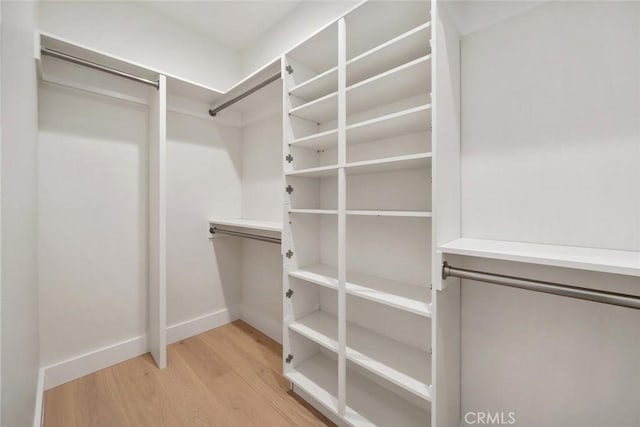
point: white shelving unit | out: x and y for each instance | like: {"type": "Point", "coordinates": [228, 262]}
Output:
{"type": "Point", "coordinates": [357, 217]}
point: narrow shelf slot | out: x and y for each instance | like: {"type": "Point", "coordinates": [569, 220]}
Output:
{"type": "Point", "coordinates": [251, 224]}
{"type": "Point", "coordinates": [318, 86]}
{"type": "Point", "coordinates": [398, 363]}
{"type": "Point", "coordinates": [318, 376]}
{"type": "Point", "coordinates": [368, 404]}
{"type": "Point", "coordinates": [314, 211]}
{"type": "Point", "coordinates": [412, 161]}
{"type": "Point", "coordinates": [320, 274]}
{"type": "Point", "coordinates": [402, 49]}
{"type": "Point", "coordinates": [319, 172]}
{"type": "Point", "coordinates": [403, 296]}
{"type": "Point", "coordinates": [412, 120]}
{"type": "Point", "coordinates": [402, 82]}
{"type": "Point", "coordinates": [410, 214]}
{"type": "Point", "coordinates": [317, 141]}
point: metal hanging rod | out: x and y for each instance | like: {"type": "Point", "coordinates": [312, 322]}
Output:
{"type": "Point", "coordinates": [93, 65]}
{"type": "Point", "coordinates": [243, 95]}
{"type": "Point", "coordinates": [605, 297]}
{"type": "Point", "coordinates": [216, 230]}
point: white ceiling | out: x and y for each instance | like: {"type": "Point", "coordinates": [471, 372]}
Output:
{"type": "Point", "coordinates": [235, 24]}
{"type": "Point", "coordinates": [474, 15]}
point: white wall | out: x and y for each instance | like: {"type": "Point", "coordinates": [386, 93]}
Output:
{"type": "Point", "coordinates": [550, 154]}
{"type": "Point", "coordinates": [555, 111]}
{"type": "Point", "coordinates": [92, 222]}
{"type": "Point", "coordinates": [303, 21]}
{"type": "Point", "coordinates": [141, 35]}
{"type": "Point", "coordinates": [262, 191]}
{"type": "Point", "coordinates": [19, 305]}
{"type": "Point", "coordinates": [204, 167]}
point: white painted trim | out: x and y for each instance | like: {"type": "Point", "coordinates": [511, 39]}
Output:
{"type": "Point", "coordinates": [189, 328]}
{"type": "Point", "coordinates": [93, 361]}
{"type": "Point", "coordinates": [88, 363]}
{"type": "Point", "coordinates": [38, 416]}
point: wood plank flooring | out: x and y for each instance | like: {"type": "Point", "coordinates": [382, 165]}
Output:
{"type": "Point", "coordinates": [229, 376]}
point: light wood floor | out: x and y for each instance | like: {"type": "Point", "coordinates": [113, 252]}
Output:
{"type": "Point", "coordinates": [229, 376]}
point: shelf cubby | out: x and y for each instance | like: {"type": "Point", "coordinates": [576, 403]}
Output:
{"type": "Point", "coordinates": [404, 366]}
{"type": "Point", "coordinates": [313, 58]}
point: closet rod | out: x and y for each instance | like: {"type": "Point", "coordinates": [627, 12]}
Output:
{"type": "Point", "coordinates": [93, 65]}
{"type": "Point", "coordinates": [605, 297]}
{"type": "Point", "coordinates": [243, 95]}
{"type": "Point", "coordinates": [216, 230]}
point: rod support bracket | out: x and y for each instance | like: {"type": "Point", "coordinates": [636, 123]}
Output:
{"type": "Point", "coordinates": [445, 270]}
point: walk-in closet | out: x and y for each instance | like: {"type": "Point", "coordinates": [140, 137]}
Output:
{"type": "Point", "coordinates": [314, 213]}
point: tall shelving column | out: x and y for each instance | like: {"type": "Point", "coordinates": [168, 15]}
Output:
{"type": "Point", "coordinates": [357, 234]}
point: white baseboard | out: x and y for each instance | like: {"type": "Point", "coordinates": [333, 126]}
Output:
{"type": "Point", "coordinates": [93, 361]}
{"type": "Point", "coordinates": [268, 326]}
{"type": "Point", "coordinates": [88, 363]}
{"type": "Point", "coordinates": [38, 416]}
{"type": "Point", "coordinates": [196, 326]}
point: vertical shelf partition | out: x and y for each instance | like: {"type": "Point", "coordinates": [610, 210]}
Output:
{"type": "Point", "coordinates": [158, 224]}
{"type": "Point", "coordinates": [357, 237]}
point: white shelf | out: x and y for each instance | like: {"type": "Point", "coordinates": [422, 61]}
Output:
{"type": "Point", "coordinates": [408, 214]}
{"type": "Point", "coordinates": [252, 224]}
{"type": "Point", "coordinates": [400, 50]}
{"type": "Point", "coordinates": [412, 120]}
{"type": "Point", "coordinates": [319, 327]}
{"type": "Point", "coordinates": [403, 296]}
{"type": "Point", "coordinates": [592, 259]}
{"type": "Point", "coordinates": [319, 172]}
{"type": "Point", "coordinates": [398, 363]}
{"type": "Point", "coordinates": [320, 85]}
{"type": "Point", "coordinates": [368, 404]}
{"type": "Point", "coordinates": [318, 376]}
{"type": "Point", "coordinates": [317, 141]}
{"type": "Point", "coordinates": [408, 162]}
{"type": "Point", "coordinates": [314, 211]}
{"type": "Point", "coordinates": [401, 82]}
{"type": "Point", "coordinates": [320, 274]}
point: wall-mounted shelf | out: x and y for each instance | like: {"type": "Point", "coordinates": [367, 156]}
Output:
{"type": "Point", "coordinates": [592, 259]}
{"type": "Point", "coordinates": [319, 172]}
{"type": "Point", "coordinates": [412, 161]}
{"type": "Point", "coordinates": [250, 224]}
{"type": "Point", "coordinates": [403, 296]}
{"type": "Point", "coordinates": [314, 211]}
{"type": "Point", "coordinates": [407, 214]}
{"type": "Point", "coordinates": [398, 363]}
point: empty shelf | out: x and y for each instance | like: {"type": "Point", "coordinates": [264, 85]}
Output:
{"type": "Point", "coordinates": [318, 376]}
{"type": "Point", "coordinates": [402, 82]}
{"type": "Point", "coordinates": [314, 211]}
{"type": "Point", "coordinates": [320, 274]}
{"type": "Point", "coordinates": [592, 259]}
{"type": "Point", "coordinates": [398, 363]}
{"type": "Point", "coordinates": [319, 172]}
{"type": "Point", "coordinates": [399, 50]}
{"type": "Point", "coordinates": [253, 224]}
{"type": "Point", "coordinates": [319, 327]}
{"type": "Point", "coordinates": [317, 141]}
{"type": "Point", "coordinates": [412, 120]}
{"type": "Point", "coordinates": [411, 161]}
{"type": "Point", "coordinates": [410, 214]}
{"type": "Point", "coordinates": [368, 404]}
{"type": "Point", "coordinates": [403, 296]}
{"type": "Point", "coordinates": [320, 85]}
